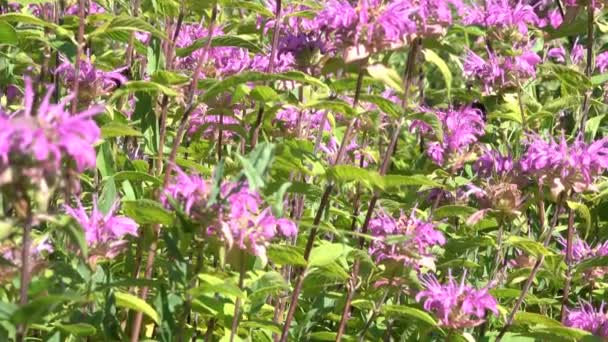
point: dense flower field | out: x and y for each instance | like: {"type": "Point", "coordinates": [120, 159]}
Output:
{"type": "Point", "coordinates": [315, 170]}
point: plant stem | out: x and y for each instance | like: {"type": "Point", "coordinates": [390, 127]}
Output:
{"type": "Point", "coordinates": [372, 203]}
{"type": "Point", "coordinates": [26, 247]}
{"type": "Point", "coordinates": [79, 51]}
{"type": "Point", "coordinates": [237, 304]}
{"type": "Point", "coordinates": [532, 275]}
{"type": "Point", "coordinates": [588, 69]}
{"type": "Point", "coordinates": [273, 52]}
{"type": "Point", "coordinates": [569, 248]}
{"type": "Point", "coordinates": [324, 202]}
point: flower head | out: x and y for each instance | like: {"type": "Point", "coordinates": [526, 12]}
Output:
{"type": "Point", "coordinates": [92, 82]}
{"type": "Point", "coordinates": [415, 251]}
{"type": "Point", "coordinates": [104, 232]}
{"type": "Point", "coordinates": [457, 305]}
{"type": "Point", "coordinates": [565, 166]}
{"type": "Point", "coordinates": [35, 141]}
{"type": "Point", "coordinates": [586, 317]}
{"type": "Point", "coordinates": [461, 128]}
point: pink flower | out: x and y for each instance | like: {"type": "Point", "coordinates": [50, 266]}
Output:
{"type": "Point", "coordinates": [103, 232]}
{"type": "Point", "coordinates": [44, 139]}
{"type": "Point", "coordinates": [586, 317]}
{"type": "Point", "coordinates": [415, 251]}
{"type": "Point", "coordinates": [457, 305]}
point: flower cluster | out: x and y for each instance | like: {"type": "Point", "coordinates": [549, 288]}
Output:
{"type": "Point", "coordinates": [461, 128]}
{"type": "Point", "coordinates": [105, 233]}
{"type": "Point", "coordinates": [415, 251]}
{"type": "Point", "coordinates": [35, 141]}
{"type": "Point", "coordinates": [457, 305]}
{"type": "Point", "coordinates": [240, 218]}
{"type": "Point", "coordinates": [92, 82]}
{"type": "Point", "coordinates": [246, 224]}
{"type": "Point", "coordinates": [586, 317]}
{"type": "Point", "coordinates": [565, 166]}
{"type": "Point", "coordinates": [501, 71]}
{"type": "Point", "coordinates": [374, 25]}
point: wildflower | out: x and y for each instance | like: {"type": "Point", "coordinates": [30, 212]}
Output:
{"type": "Point", "coordinates": [586, 317]}
{"type": "Point", "coordinates": [499, 71]}
{"type": "Point", "coordinates": [564, 166]}
{"type": "Point", "coordinates": [601, 61]}
{"type": "Point", "coordinates": [415, 251]}
{"type": "Point", "coordinates": [492, 162]}
{"type": "Point", "coordinates": [92, 82]}
{"type": "Point", "coordinates": [105, 234]}
{"type": "Point", "coordinates": [501, 15]}
{"type": "Point", "coordinates": [11, 253]}
{"type": "Point", "coordinates": [191, 191]}
{"type": "Point", "coordinates": [245, 224]}
{"type": "Point", "coordinates": [35, 142]}
{"type": "Point", "coordinates": [457, 305]}
{"type": "Point", "coordinates": [461, 128]}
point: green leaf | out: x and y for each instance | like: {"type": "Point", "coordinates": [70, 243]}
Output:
{"type": "Point", "coordinates": [327, 253]}
{"type": "Point", "coordinates": [129, 301]}
{"type": "Point", "coordinates": [386, 75]}
{"type": "Point", "coordinates": [23, 18]}
{"type": "Point", "coordinates": [169, 78]}
{"type": "Point", "coordinates": [453, 211]}
{"type": "Point", "coordinates": [286, 255]}
{"type": "Point", "coordinates": [128, 23]}
{"type": "Point", "coordinates": [136, 176]}
{"type": "Point", "coordinates": [252, 6]}
{"type": "Point", "coordinates": [582, 210]}
{"type": "Point", "coordinates": [393, 181]}
{"type": "Point", "coordinates": [264, 94]}
{"type": "Point", "coordinates": [77, 329]}
{"type": "Point", "coordinates": [38, 307]}
{"type": "Point", "coordinates": [256, 76]}
{"type": "Point", "coordinates": [529, 318]}
{"type": "Point", "coordinates": [335, 106]}
{"type": "Point", "coordinates": [146, 211]}
{"type": "Point", "coordinates": [567, 75]}
{"type": "Point", "coordinates": [431, 57]}
{"type": "Point", "coordinates": [211, 284]}
{"type": "Point", "coordinates": [217, 41]}
{"type": "Point", "coordinates": [116, 129]}
{"type": "Point", "coordinates": [529, 246]}
{"type": "Point", "coordinates": [599, 79]}
{"type": "Point", "coordinates": [385, 105]}
{"type": "Point", "coordinates": [8, 35]}
{"type": "Point", "coordinates": [409, 312]}
{"type": "Point", "coordinates": [348, 173]}
{"type": "Point", "coordinates": [145, 86]}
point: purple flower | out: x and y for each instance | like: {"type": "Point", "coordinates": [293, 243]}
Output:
{"type": "Point", "coordinates": [94, 8]}
{"type": "Point", "coordinates": [501, 14]}
{"type": "Point", "coordinates": [245, 224]}
{"type": "Point", "coordinates": [457, 305]}
{"type": "Point", "coordinates": [42, 140]}
{"type": "Point", "coordinates": [493, 162]}
{"type": "Point", "coordinates": [191, 191]}
{"type": "Point", "coordinates": [92, 82]}
{"type": "Point", "coordinates": [461, 128]}
{"type": "Point", "coordinates": [601, 61]}
{"type": "Point", "coordinates": [415, 251]}
{"type": "Point", "coordinates": [582, 251]}
{"type": "Point", "coordinates": [586, 317]}
{"type": "Point", "coordinates": [104, 232]}
{"type": "Point", "coordinates": [564, 166]}
{"type": "Point", "coordinates": [500, 71]}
